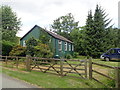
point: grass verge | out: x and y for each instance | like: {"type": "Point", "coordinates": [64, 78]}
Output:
{"type": "Point", "coordinates": [46, 80]}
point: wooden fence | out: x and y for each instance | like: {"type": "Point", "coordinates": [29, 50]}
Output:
{"type": "Point", "coordinates": [62, 67]}
{"type": "Point", "coordinates": [116, 77]}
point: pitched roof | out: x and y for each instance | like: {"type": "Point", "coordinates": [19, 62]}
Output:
{"type": "Point", "coordinates": [50, 33]}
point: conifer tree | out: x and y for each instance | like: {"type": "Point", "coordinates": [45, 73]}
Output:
{"type": "Point", "coordinates": [96, 32]}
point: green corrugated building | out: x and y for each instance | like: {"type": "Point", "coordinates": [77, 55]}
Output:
{"type": "Point", "coordinates": [60, 44]}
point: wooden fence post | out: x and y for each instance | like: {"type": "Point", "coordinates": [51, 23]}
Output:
{"type": "Point", "coordinates": [61, 67]}
{"type": "Point", "coordinates": [17, 62]}
{"type": "Point", "coordinates": [6, 60]}
{"type": "Point", "coordinates": [28, 63]}
{"type": "Point", "coordinates": [90, 68]}
{"type": "Point", "coordinates": [117, 77]}
{"type": "Point", "coordinates": [86, 68]}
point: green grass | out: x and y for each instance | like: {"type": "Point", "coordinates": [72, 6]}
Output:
{"type": "Point", "coordinates": [47, 80]}
{"type": "Point", "coordinates": [110, 63]}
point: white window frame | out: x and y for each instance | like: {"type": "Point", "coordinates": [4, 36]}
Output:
{"type": "Point", "coordinates": [72, 47]}
{"type": "Point", "coordinates": [69, 47]}
{"type": "Point", "coordinates": [65, 46]}
{"type": "Point", "coordinates": [24, 43]}
{"type": "Point", "coordinates": [60, 45]}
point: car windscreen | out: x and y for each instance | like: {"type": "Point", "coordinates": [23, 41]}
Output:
{"type": "Point", "coordinates": [119, 51]}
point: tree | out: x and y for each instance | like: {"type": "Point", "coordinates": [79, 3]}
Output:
{"type": "Point", "coordinates": [89, 32]}
{"type": "Point", "coordinates": [77, 37]}
{"type": "Point", "coordinates": [64, 25]}
{"type": "Point", "coordinates": [118, 39]}
{"type": "Point", "coordinates": [31, 43]}
{"type": "Point", "coordinates": [10, 23]}
{"type": "Point", "coordinates": [96, 31]}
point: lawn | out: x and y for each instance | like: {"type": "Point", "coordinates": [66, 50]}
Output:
{"type": "Point", "coordinates": [46, 80]}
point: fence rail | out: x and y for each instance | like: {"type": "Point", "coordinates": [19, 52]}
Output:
{"type": "Point", "coordinates": [62, 67]}
{"type": "Point", "coordinates": [116, 70]}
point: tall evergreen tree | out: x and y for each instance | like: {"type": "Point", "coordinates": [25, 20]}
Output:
{"type": "Point", "coordinates": [96, 32]}
{"type": "Point", "coordinates": [89, 31]}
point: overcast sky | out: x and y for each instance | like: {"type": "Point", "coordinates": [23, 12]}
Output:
{"type": "Point", "coordinates": [43, 12]}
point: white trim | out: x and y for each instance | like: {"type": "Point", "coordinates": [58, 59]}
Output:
{"type": "Point", "coordinates": [24, 44]}
{"type": "Point", "coordinates": [59, 45]}
{"type": "Point", "coordinates": [69, 47]}
{"type": "Point", "coordinates": [65, 46]}
{"type": "Point", "coordinates": [72, 47]}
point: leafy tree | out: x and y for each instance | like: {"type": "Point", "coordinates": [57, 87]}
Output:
{"type": "Point", "coordinates": [77, 37]}
{"type": "Point", "coordinates": [6, 47]}
{"type": "Point", "coordinates": [64, 25]}
{"type": "Point", "coordinates": [10, 23]}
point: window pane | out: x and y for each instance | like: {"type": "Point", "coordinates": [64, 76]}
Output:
{"type": "Point", "coordinates": [65, 46]}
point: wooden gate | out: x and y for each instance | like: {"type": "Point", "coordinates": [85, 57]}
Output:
{"type": "Point", "coordinates": [62, 67]}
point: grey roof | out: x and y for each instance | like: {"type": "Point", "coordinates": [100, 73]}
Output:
{"type": "Point", "coordinates": [50, 33]}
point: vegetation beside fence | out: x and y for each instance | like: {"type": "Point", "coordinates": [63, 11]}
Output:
{"type": "Point", "coordinates": [63, 67]}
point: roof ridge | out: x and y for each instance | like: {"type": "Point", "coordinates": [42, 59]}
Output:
{"type": "Point", "coordinates": [50, 33]}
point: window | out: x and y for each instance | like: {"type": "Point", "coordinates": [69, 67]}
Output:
{"type": "Point", "coordinates": [72, 47]}
{"type": "Point", "coordinates": [69, 47]}
{"type": "Point", "coordinates": [24, 44]}
{"type": "Point", "coordinates": [65, 46]}
{"type": "Point", "coordinates": [50, 40]}
{"type": "Point", "coordinates": [60, 45]}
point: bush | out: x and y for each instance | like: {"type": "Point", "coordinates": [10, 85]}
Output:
{"type": "Point", "coordinates": [18, 51]}
{"type": "Point", "coordinates": [68, 56]}
{"type": "Point", "coordinates": [75, 54]}
{"type": "Point", "coordinates": [38, 49]}
{"type": "Point", "coordinates": [42, 50]}
{"type": "Point", "coordinates": [6, 47]}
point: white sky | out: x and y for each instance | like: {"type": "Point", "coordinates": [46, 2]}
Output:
{"type": "Point", "coordinates": [43, 12]}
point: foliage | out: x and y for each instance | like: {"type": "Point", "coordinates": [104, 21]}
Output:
{"type": "Point", "coordinates": [18, 51]}
{"type": "Point", "coordinates": [64, 25]}
{"type": "Point", "coordinates": [44, 37]}
{"type": "Point", "coordinates": [30, 43]}
{"type": "Point", "coordinates": [6, 47]}
{"type": "Point", "coordinates": [42, 50]}
{"type": "Point", "coordinates": [10, 24]}
{"type": "Point", "coordinates": [68, 56]}
{"type": "Point", "coordinates": [77, 37]}
{"type": "Point", "coordinates": [38, 49]}
{"type": "Point", "coordinates": [96, 29]}
{"type": "Point", "coordinates": [75, 54]}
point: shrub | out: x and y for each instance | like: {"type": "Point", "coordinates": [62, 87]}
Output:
{"type": "Point", "coordinates": [68, 56]}
{"type": "Point", "coordinates": [38, 49]}
{"type": "Point", "coordinates": [43, 50]}
{"type": "Point", "coordinates": [6, 47]}
{"type": "Point", "coordinates": [31, 43]}
{"type": "Point", "coordinates": [18, 51]}
{"type": "Point", "coordinates": [75, 54]}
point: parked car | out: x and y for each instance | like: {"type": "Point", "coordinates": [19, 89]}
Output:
{"type": "Point", "coordinates": [111, 54]}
